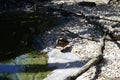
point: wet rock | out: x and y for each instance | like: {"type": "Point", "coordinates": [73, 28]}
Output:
{"type": "Point", "coordinates": [65, 64]}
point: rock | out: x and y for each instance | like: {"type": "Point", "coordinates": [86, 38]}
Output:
{"type": "Point", "coordinates": [66, 64]}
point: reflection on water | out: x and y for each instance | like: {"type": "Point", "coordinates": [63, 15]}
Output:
{"type": "Point", "coordinates": [25, 67]}
{"type": "Point", "coordinates": [10, 71]}
{"type": "Point", "coordinates": [10, 68]}
{"type": "Point", "coordinates": [17, 31]}
{"type": "Point", "coordinates": [19, 59]}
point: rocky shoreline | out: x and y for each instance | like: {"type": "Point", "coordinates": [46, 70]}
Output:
{"type": "Point", "coordinates": [86, 49]}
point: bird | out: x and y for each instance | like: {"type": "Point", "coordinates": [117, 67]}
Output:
{"type": "Point", "coordinates": [61, 42]}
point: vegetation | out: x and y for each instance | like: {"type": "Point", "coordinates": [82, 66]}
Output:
{"type": "Point", "coordinates": [35, 68]}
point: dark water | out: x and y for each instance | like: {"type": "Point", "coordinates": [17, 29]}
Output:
{"type": "Point", "coordinates": [17, 33]}
{"type": "Point", "coordinates": [19, 29]}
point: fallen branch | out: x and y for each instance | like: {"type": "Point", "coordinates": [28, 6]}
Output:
{"type": "Point", "coordinates": [92, 62]}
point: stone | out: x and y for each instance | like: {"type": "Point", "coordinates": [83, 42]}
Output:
{"type": "Point", "coordinates": [65, 64]}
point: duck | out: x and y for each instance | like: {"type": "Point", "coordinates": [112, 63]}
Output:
{"type": "Point", "coordinates": [61, 42]}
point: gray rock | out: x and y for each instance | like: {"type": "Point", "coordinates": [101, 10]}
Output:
{"type": "Point", "coordinates": [66, 64]}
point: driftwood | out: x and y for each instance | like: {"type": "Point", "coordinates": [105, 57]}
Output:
{"type": "Point", "coordinates": [92, 62]}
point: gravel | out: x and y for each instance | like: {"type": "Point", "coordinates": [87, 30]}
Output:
{"type": "Point", "coordinates": [85, 49]}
